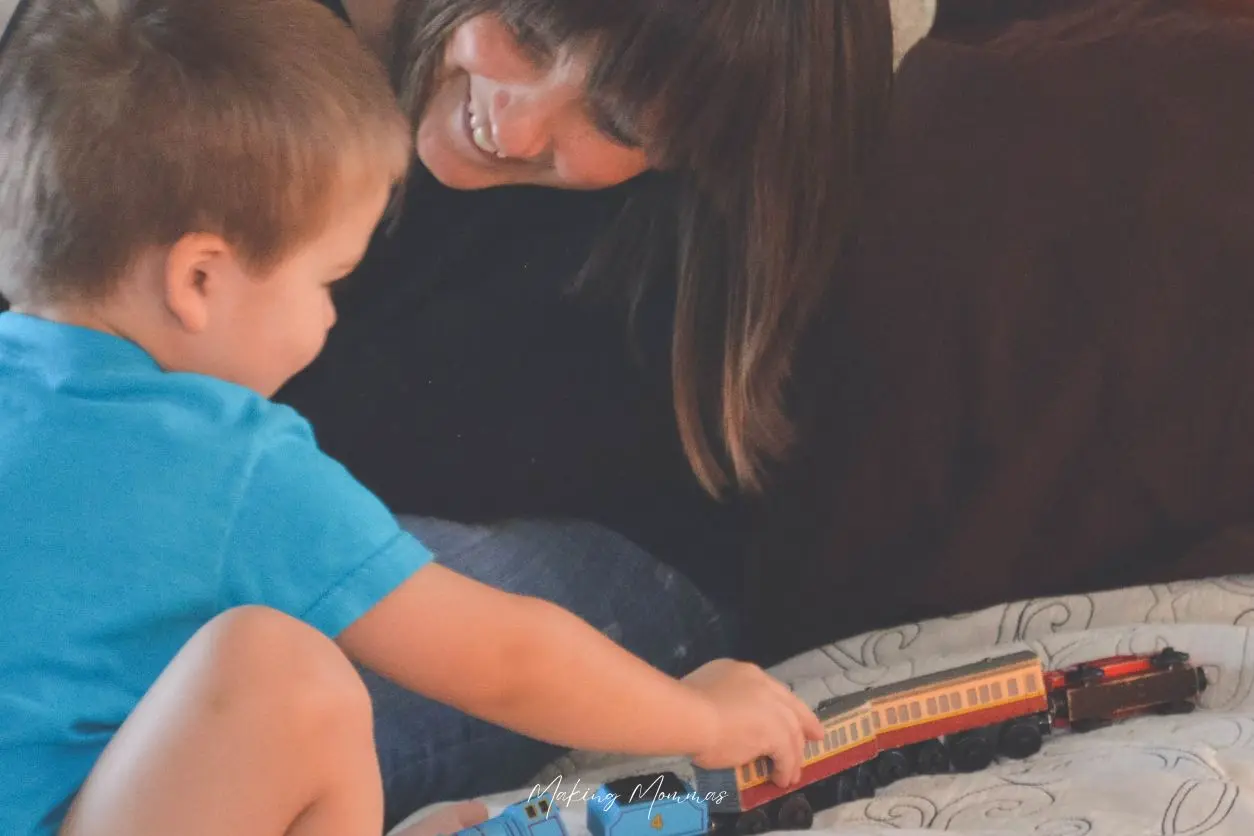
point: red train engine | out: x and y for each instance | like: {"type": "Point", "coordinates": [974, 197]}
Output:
{"type": "Point", "coordinates": [1097, 693]}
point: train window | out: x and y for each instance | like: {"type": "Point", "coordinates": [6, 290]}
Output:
{"type": "Point", "coordinates": [544, 806]}
{"type": "Point", "coordinates": [866, 727]}
{"type": "Point", "coordinates": [1030, 681]}
{"type": "Point", "coordinates": [875, 719]}
{"type": "Point", "coordinates": [972, 699]}
{"type": "Point", "coordinates": [1012, 687]}
{"type": "Point", "coordinates": [746, 773]}
{"type": "Point", "coordinates": [916, 711]}
{"type": "Point", "coordinates": [853, 730]}
{"type": "Point", "coordinates": [996, 690]}
{"type": "Point", "coordinates": [841, 737]}
{"type": "Point", "coordinates": [955, 700]}
{"type": "Point", "coordinates": [530, 810]}
{"type": "Point", "coordinates": [829, 739]}
{"type": "Point", "coordinates": [944, 702]}
{"type": "Point", "coordinates": [811, 750]}
{"type": "Point", "coordinates": [892, 715]}
{"type": "Point", "coordinates": [984, 692]}
{"type": "Point", "coordinates": [761, 768]}
{"type": "Point", "coordinates": [931, 705]}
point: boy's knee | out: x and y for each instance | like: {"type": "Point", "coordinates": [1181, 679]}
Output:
{"type": "Point", "coordinates": [260, 654]}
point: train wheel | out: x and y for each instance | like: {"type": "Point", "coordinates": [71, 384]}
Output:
{"type": "Point", "coordinates": [970, 752]}
{"type": "Point", "coordinates": [846, 788]}
{"type": "Point", "coordinates": [1168, 657]}
{"type": "Point", "coordinates": [864, 780]}
{"type": "Point", "coordinates": [1177, 707]}
{"type": "Point", "coordinates": [751, 822]}
{"type": "Point", "coordinates": [931, 758]}
{"type": "Point", "coordinates": [891, 766]}
{"type": "Point", "coordinates": [824, 793]}
{"type": "Point", "coordinates": [795, 813]}
{"type": "Point", "coordinates": [1019, 739]}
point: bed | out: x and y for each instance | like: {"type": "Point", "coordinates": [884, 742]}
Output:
{"type": "Point", "coordinates": [1179, 774]}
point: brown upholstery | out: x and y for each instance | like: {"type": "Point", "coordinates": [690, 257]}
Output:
{"type": "Point", "coordinates": [1036, 375]}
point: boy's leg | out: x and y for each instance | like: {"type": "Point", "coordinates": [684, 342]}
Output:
{"type": "Point", "coordinates": [259, 726]}
{"type": "Point", "coordinates": [430, 752]}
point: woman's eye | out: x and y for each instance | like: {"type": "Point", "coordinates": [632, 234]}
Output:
{"type": "Point", "coordinates": [615, 127]}
{"type": "Point", "coordinates": [532, 43]}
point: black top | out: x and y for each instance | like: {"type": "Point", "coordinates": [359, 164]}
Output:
{"type": "Point", "coordinates": [464, 381]}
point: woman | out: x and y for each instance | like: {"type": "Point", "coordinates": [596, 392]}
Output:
{"type": "Point", "coordinates": [566, 388]}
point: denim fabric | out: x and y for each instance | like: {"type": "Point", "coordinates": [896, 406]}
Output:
{"type": "Point", "coordinates": [430, 752]}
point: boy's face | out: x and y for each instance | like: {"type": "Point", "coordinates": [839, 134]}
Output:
{"type": "Point", "coordinates": [264, 330]}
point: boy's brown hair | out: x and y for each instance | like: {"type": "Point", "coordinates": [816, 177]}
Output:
{"type": "Point", "coordinates": [126, 124]}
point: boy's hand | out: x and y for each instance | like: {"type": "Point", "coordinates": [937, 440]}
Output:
{"type": "Point", "coordinates": [755, 715]}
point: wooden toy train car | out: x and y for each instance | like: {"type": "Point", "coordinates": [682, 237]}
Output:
{"type": "Point", "coordinates": [535, 816]}
{"type": "Point", "coordinates": [1094, 694]}
{"type": "Point", "coordinates": [956, 719]}
{"type": "Point", "coordinates": [660, 804]}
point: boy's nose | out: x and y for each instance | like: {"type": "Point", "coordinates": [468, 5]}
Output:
{"type": "Point", "coordinates": [523, 124]}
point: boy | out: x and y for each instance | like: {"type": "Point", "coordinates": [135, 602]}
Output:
{"type": "Point", "coordinates": [184, 577]}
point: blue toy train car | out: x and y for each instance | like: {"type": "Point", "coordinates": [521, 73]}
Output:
{"type": "Point", "coordinates": [537, 816]}
{"type": "Point", "coordinates": [656, 804]}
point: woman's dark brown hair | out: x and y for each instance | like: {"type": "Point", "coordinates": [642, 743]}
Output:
{"type": "Point", "coordinates": [763, 115]}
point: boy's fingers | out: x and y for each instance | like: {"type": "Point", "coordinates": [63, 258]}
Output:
{"type": "Point", "coordinates": [794, 748]}
{"type": "Point", "coordinates": [811, 725]}
{"type": "Point", "coordinates": [799, 738]}
{"type": "Point", "coordinates": [785, 763]}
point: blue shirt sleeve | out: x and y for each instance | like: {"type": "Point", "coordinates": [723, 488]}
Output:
{"type": "Point", "coordinates": [309, 540]}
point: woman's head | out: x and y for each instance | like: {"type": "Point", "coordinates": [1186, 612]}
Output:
{"type": "Point", "coordinates": [503, 106]}
{"type": "Point", "coordinates": [759, 116]}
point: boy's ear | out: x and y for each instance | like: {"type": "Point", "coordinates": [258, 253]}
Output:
{"type": "Point", "coordinates": [197, 270]}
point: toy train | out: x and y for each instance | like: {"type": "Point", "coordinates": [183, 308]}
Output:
{"type": "Point", "coordinates": [535, 816]}
{"type": "Point", "coordinates": [959, 719]}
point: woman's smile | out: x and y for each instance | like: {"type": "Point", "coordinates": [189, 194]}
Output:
{"type": "Point", "coordinates": [480, 128]}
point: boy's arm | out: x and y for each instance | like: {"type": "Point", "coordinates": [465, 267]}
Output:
{"type": "Point", "coordinates": [531, 666]}
{"type": "Point", "coordinates": [515, 661]}
{"type": "Point", "coordinates": [528, 665]}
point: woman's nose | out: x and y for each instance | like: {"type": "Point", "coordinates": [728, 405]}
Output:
{"type": "Point", "coordinates": [522, 124]}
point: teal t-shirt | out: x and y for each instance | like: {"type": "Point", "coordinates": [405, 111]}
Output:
{"type": "Point", "coordinates": [136, 505]}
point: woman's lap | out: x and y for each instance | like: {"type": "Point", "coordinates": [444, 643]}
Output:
{"type": "Point", "coordinates": [430, 752]}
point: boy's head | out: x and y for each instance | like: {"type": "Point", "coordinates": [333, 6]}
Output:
{"type": "Point", "coordinates": [201, 170]}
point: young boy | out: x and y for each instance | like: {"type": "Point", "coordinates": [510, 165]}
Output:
{"type": "Point", "coordinates": [184, 577]}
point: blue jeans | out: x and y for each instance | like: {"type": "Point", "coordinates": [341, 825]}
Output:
{"type": "Point", "coordinates": [430, 752]}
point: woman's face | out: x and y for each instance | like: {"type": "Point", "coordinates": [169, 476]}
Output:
{"type": "Point", "coordinates": [501, 115]}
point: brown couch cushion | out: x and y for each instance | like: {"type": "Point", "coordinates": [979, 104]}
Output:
{"type": "Point", "coordinates": [1036, 375]}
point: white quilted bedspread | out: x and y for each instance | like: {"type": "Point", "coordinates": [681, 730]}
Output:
{"type": "Point", "coordinates": [1183, 774]}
